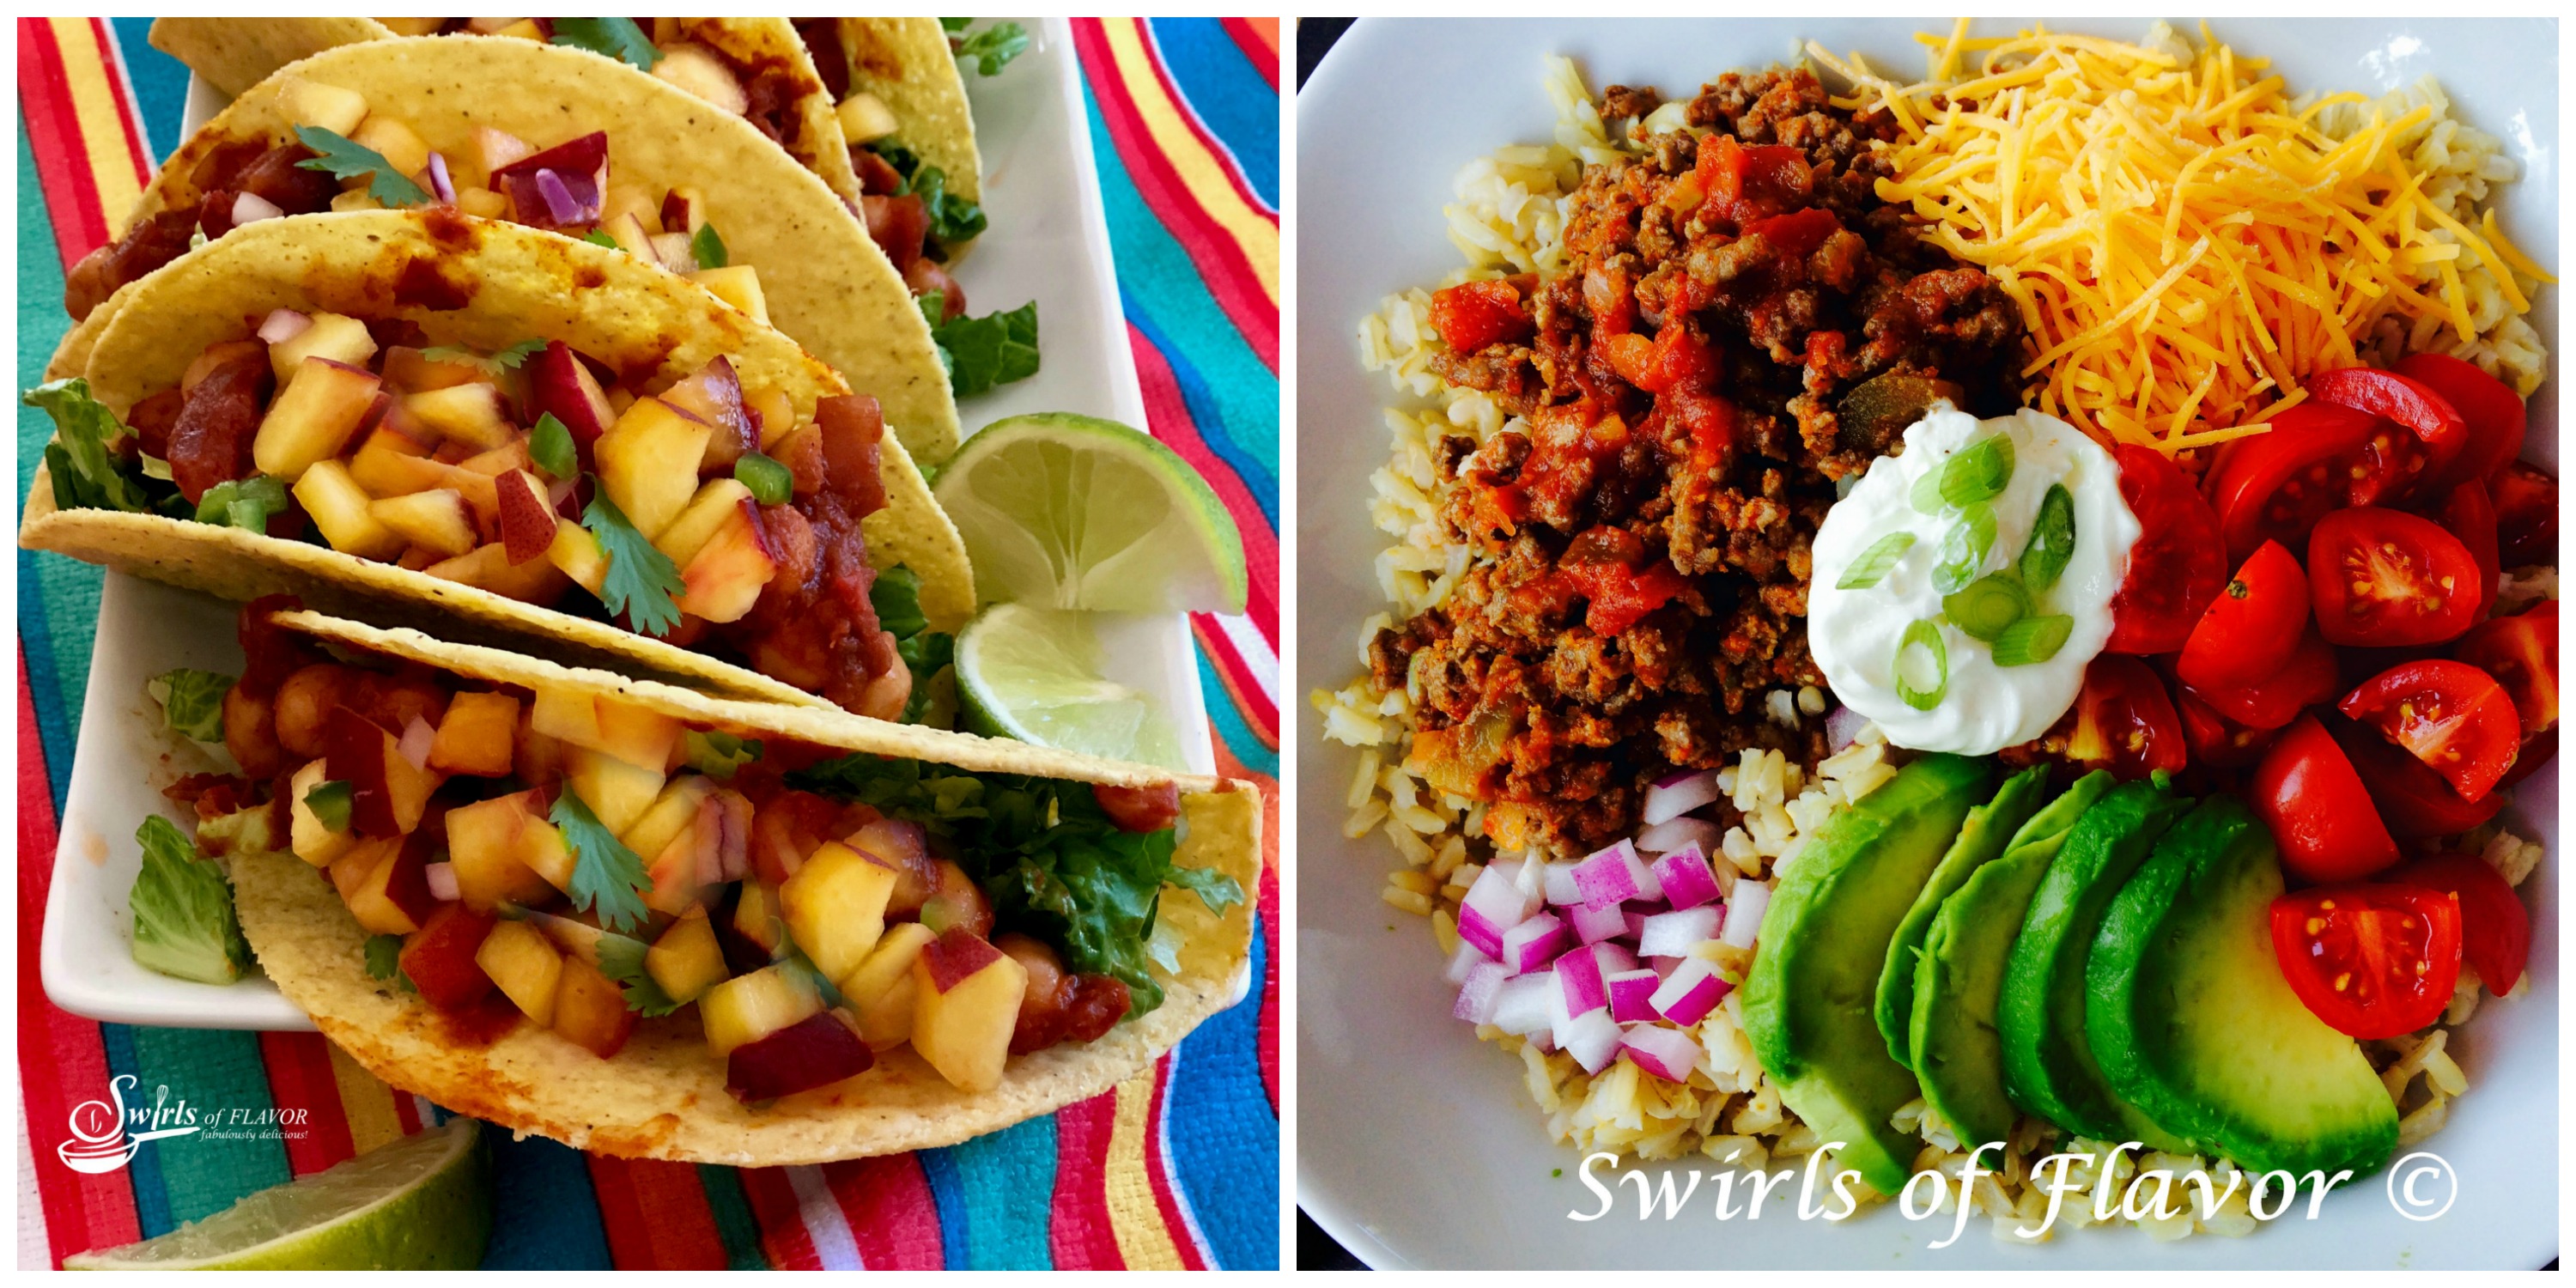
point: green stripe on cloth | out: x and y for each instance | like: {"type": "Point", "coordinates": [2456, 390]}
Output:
{"type": "Point", "coordinates": [736, 1227]}
{"type": "Point", "coordinates": [57, 597]}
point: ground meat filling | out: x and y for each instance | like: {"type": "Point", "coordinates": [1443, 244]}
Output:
{"type": "Point", "coordinates": [1740, 324]}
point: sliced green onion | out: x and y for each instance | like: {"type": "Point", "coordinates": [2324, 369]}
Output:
{"type": "Point", "coordinates": [330, 803]}
{"type": "Point", "coordinates": [1926, 497]}
{"type": "Point", "coordinates": [770, 482]}
{"type": "Point", "coordinates": [550, 446]}
{"type": "Point", "coordinates": [1988, 605]}
{"type": "Point", "coordinates": [1979, 473]}
{"type": "Point", "coordinates": [2052, 540]}
{"type": "Point", "coordinates": [1874, 563]}
{"type": "Point", "coordinates": [1964, 549]}
{"type": "Point", "coordinates": [2032, 639]}
{"type": "Point", "coordinates": [1926, 636]}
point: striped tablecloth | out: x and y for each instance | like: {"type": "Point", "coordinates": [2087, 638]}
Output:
{"type": "Point", "coordinates": [1178, 1168]}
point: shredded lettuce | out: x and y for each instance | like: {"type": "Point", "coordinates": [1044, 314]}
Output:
{"type": "Point", "coordinates": [88, 472]}
{"type": "Point", "coordinates": [192, 702]}
{"type": "Point", "coordinates": [183, 910]}
{"type": "Point", "coordinates": [992, 49]}
{"type": "Point", "coordinates": [925, 652]}
{"type": "Point", "coordinates": [981, 353]}
{"type": "Point", "coordinates": [718, 754]}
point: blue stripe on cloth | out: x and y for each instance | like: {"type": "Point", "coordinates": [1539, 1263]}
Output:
{"type": "Point", "coordinates": [545, 1216]}
{"type": "Point", "coordinates": [1005, 1184]}
{"type": "Point", "coordinates": [1229, 439]}
{"type": "Point", "coordinates": [1231, 728]}
{"type": "Point", "coordinates": [1225, 1149]}
{"type": "Point", "coordinates": [222, 1078]}
{"type": "Point", "coordinates": [151, 1195]}
{"type": "Point", "coordinates": [948, 1197]}
{"type": "Point", "coordinates": [160, 87]}
{"type": "Point", "coordinates": [50, 587]}
{"type": "Point", "coordinates": [1230, 95]}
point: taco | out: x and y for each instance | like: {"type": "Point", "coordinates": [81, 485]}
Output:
{"type": "Point", "coordinates": [475, 427]}
{"type": "Point", "coordinates": [648, 923]}
{"type": "Point", "coordinates": [554, 138]}
{"type": "Point", "coordinates": [911, 135]}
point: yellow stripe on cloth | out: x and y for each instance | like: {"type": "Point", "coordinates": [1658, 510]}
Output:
{"type": "Point", "coordinates": [1200, 170]}
{"type": "Point", "coordinates": [1143, 1240]}
{"type": "Point", "coordinates": [112, 152]}
{"type": "Point", "coordinates": [367, 1103]}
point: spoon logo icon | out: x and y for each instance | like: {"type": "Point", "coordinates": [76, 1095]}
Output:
{"type": "Point", "coordinates": [100, 1143]}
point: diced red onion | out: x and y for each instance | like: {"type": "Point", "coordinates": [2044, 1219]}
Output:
{"type": "Point", "coordinates": [1493, 905]}
{"type": "Point", "coordinates": [1616, 874]}
{"type": "Point", "coordinates": [438, 180]}
{"type": "Point", "coordinates": [1679, 794]}
{"type": "Point", "coordinates": [1636, 915]}
{"type": "Point", "coordinates": [560, 202]}
{"type": "Point", "coordinates": [1481, 992]}
{"type": "Point", "coordinates": [1690, 992]}
{"type": "Point", "coordinates": [1593, 1039]}
{"type": "Point", "coordinates": [416, 739]}
{"type": "Point", "coordinates": [250, 208]}
{"type": "Point", "coordinates": [1675, 833]}
{"type": "Point", "coordinates": [1534, 943]}
{"type": "Point", "coordinates": [1578, 976]}
{"type": "Point", "coordinates": [442, 882]}
{"type": "Point", "coordinates": [1842, 725]}
{"type": "Point", "coordinates": [1674, 934]}
{"type": "Point", "coordinates": [1631, 994]}
{"type": "Point", "coordinates": [1663, 966]}
{"type": "Point", "coordinates": [283, 325]}
{"type": "Point", "coordinates": [1465, 960]}
{"type": "Point", "coordinates": [1667, 1053]}
{"type": "Point", "coordinates": [1744, 913]}
{"type": "Point", "coordinates": [1687, 879]}
{"type": "Point", "coordinates": [1613, 957]}
{"type": "Point", "coordinates": [1526, 1005]}
{"type": "Point", "coordinates": [1594, 924]}
{"type": "Point", "coordinates": [1558, 883]}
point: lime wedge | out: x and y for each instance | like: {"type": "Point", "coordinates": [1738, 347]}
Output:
{"type": "Point", "coordinates": [1034, 674]}
{"type": "Point", "coordinates": [422, 1203]}
{"type": "Point", "coordinates": [1066, 511]}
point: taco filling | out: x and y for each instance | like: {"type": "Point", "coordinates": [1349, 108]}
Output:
{"type": "Point", "coordinates": [582, 862]}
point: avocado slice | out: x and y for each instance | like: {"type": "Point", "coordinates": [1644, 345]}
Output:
{"type": "Point", "coordinates": [2048, 1067]}
{"type": "Point", "coordinates": [1815, 965]}
{"type": "Point", "coordinates": [2193, 1023]}
{"type": "Point", "coordinates": [1958, 1055]}
{"type": "Point", "coordinates": [1990, 827]}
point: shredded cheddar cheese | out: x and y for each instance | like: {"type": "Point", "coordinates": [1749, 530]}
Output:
{"type": "Point", "coordinates": [2186, 243]}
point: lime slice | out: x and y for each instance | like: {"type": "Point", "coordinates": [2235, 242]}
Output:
{"type": "Point", "coordinates": [1066, 511]}
{"type": "Point", "coordinates": [1034, 674]}
{"type": "Point", "coordinates": [422, 1203]}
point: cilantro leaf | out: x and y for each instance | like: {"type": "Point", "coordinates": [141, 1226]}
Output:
{"type": "Point", "coordinates": [606, 876]}
{"type": "Point", "coordinates": [621, 958]}
{"type": "Point", "coordinates": [192, 702]}
{"type": "Point", "coordinates": [342, 159]}
{"type": "Point", "coordinates": [718, 754]}
{"type": "Point", "coordinates": [550, 446]}
{"type": "Point", "coordinates": [708, 249]}
{"type": "Point", "coordinates": [243, 503]}
{"type": "Point", "coordinates": [384, 960]}
{"type": "Point", "coordinates": [642, 581]}
{"type": "Point", "coordinates": [925, 652]}
{"type": "Point", "coordinates": [88, 472]}
{"type": "Point", "coordinates": [994, 47]}
{"type": "Point", "coordinates": [617, 38]}
{"type": "Point", "coordinates": [981, 353]}
{"type": "Point", "coordinates": [510, 358]}
{"type": "Point", "coordinates": [183, 910]}
{"type": "Point", "coordinates": [597, 238]}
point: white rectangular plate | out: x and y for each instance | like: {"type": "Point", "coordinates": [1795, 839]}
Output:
{"type": "Point", "coordinates": [1048, 240]}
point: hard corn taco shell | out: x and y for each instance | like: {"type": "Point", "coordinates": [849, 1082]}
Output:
{"type": "Point", "coordinates": [515, 283]}
{"type": "Point", "coordinates": [907, 64]}
{"type": "Point", "coordinates": [663, 1096]}
{"type": "Point", "coordinates": [824, 281]}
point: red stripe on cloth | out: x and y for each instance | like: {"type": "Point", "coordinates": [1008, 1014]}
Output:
{"type": "Point", "coordinates": [406, 1111]}
{"type": "Point", "coordinates": [1269, 1043]}
{"type": "Point", "coordinates": [892, 1216]}
{"type": "Point", "coordinates": [1229, 277]}
{"type": "Point", "coordinates": [1257, 50]}
{"type": "Point", "coordinates": [135, 145]}
{"type": "Point", "coordinates": [299, 1078]}
{"type": "Point", "coordinates": [53, 135]}
{"type": "Point", "coordinates": [1259, 713]}
{"type": "Point", "coordinates": [1167, 414]}
{"type": "Point", "coordinates": [656, 1214]}
{"type": "Point", "coordinates": [1158, 1173]}
{"type": "Point", "coordinates": [61, 1058]}
{"type": "Point", "coordinates": [783, 1239]}
{"type": "Point", "coordinates": [1207, 138]}
{"type": "Point", "coordinates": [1081, 1234]}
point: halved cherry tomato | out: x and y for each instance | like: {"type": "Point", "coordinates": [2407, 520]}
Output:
{"type": "Point", "coordinates": [2466, 513]}
{"type": "Point", "coordinates": [2177, 565]}
{"type": "Point", "coordinates": [2438, 429]}
{"type": "Point", "coordinates": [1472, 315]}
{"type": "Point", "coordinates": [2496, 417]}
{"type": "Point", "coordinates": [2413, 801]}
{"type": "Point", "coordinates": [2276, 485]}
{"type": "Point", "coordinates": [2382, 578]}
{"type": "Point", "coordinates": [2253, 625]}
{"type": "Point", "coordinates": [2526, 506]}
{"type": "Point", "coordinates": [2124, 722]}
{"type": "Point", "coordinates": [2535, 752]}
{"type": "Point", "coordinates": [2495, 929]}
{"type": "Point", "coordinates": [2372, 961]}
{"type": "Point", "coordinates": [2306, 679]}
{"type": "Point", "coordinates": [2521, 652]}
{"type": "Point", "coordinates": [2320, 814]}
{"type": "Point", "coordinates": [2217, 741]}
{"type": "Point", "coordinates": [2450, 715]}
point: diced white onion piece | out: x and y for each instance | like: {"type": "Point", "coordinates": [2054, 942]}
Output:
{"type": "Point", "coordinates": [1675, 833]}
{"type": "Point", "coordinates": [1481, 992]}
{"type": "Point", "coordinates": [1690, 992]}
{"type": "Point", "coordinates": [1664, 1052]}
{"type": "Point", "coordinates": [1559, 885]}
{"type": "Point", "coordinates": [442, 882]}
{"type": "Point", "coordinates": [1592, 1038]}
{"type": "Point", "coordinates": [1674, 934]}
{"type": "Point", "coordinates": [1493, 905]}
{"type": "Point", "coordinates": [1578, 976]}
{"type": "Point", "coordinates": [1679, 794]}
{"type": "Point", "coordinates": [1466, 959]}
{"type": "Point", "coordinates": [1527, 1004]}
{"type": "Point", "coordinates": [1631, 996]}
{"type": "Point", "coordinates": [282, 325]}
{"type": "Point", "coordinates": [1687, 879]}
{"type": "Point", "coordinates": [1593, 924]}
{"type": "Point", "coordinates": [1744, 913]}
{"type": "Point", "coordinates": [1534, 943]}
{"type": "Point", "coordinates": [1842, 725]}
{"type": "Point", "coordinates": [416, 740]}
{"type": "Point", "coordinates": [250, 208]}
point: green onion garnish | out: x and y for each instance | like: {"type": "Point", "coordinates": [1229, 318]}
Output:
{"type": "Point", "coordinates": [1964, 549]}
{"type": "Point", "coordinates": [1926, 497]}
{"type": "Point", "coordinates": [770, 482]}
{"type": "Point", "coordinates": [1927, 637]}
{"type": "Point", "coordinates": [1874, 563]}
{"type": "Point", "coordinates": [2032, 639]}
{"type": "Point", "coordinates": [1978, 473]}
{"type": "Point", "coordinates": [2052, 540]}
{"type": "Point", "coordinates": [330, 802]}
{"type": "Point", "coordinates": [1988, 605]}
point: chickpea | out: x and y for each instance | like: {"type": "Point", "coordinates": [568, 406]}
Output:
{"type": "Point", "coordinates": [394, 700]}
{"type": "Point", "coordinates": [886, 695]}
{"type": "Point", "coordinates": [250, 734]}
{"type": "Point", "coordinates": [304, 706]}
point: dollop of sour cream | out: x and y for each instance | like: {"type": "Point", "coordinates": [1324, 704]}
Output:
{"type": "Point", "coordinates": [1856, 634]}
